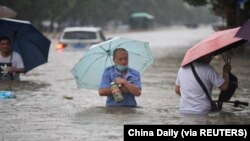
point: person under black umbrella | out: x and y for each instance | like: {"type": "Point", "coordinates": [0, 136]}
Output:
{"type": "Point", "coordinates": [27, 41]}
{"type": "Point", "coordinates": [11, 63]}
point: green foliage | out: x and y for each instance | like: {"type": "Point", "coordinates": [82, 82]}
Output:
{"type": "Point", "coordinates": [229, 10]}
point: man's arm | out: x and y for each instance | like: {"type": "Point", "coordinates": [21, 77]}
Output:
{"type": "Point", "coordinates": [104, 89]}
{"type": "Point", "coordinates": [105, 92]}
{"type": "Point", "coordinates": [15, 70]}
{"type": "Point", "coordinates": [177, 90]}
{"type": "Point", "coordinates": [128, 87]}
{"type": "Point", "coordinates": [19, 65]}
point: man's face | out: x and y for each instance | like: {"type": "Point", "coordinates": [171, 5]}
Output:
{"type": "Point", "coordinates": [121, 58]}
{"type": "Point", "coordinates": [5, 46]}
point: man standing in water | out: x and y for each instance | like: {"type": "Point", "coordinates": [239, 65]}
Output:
{"type": "Point", "coordinates": [193, 98]}
{"type": "Point", "coordinates": [11, 63]}
{"type": "Point", "coordinates": [127, 78]}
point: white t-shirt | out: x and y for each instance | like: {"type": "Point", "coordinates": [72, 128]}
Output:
{"type": "Point", "coordinates": [193, 98]}
{"type": "Point", "coordinates": [16, 61]}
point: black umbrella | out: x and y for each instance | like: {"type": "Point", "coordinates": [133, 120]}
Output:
{"type": "Point", "coordinates": [30, 43]}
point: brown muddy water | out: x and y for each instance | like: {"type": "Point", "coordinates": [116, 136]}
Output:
{"type": "Point", "coordinates": [42, 113]}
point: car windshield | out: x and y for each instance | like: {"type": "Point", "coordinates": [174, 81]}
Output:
{"type": "Point", "coordinates": [79, 35]}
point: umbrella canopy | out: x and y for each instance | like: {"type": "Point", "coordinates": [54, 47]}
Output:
{"type": "Point", "coordinates": [244, 31]}
{"type": "Point", "coordinates": [88, 71]}
{"type": "Point", "coordinates": [31, 44]}
{"type": "Point", "coordinates": [6, 12]}
{"type": "Point", "coordinates": [216, 43]}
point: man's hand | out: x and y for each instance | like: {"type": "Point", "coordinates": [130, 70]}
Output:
{"type": "Point", "coordinates": [11, 69]}
{"type": "Point", "coordinates": [227, 68]}
{"type": "Point", "coordinates": [120, 81]}
{"type": "Point", "coordinates": [128, 87]}
{"type": "Point", "coordinates": [15, 70]}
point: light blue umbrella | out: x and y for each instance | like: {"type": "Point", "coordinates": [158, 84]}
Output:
{"type": "Point", "coordinates": [88, 71]}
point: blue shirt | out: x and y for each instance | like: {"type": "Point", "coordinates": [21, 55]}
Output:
{"type": "Point", "coordinates": [131, 76]}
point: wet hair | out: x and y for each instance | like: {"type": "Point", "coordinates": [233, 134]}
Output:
{"type": "Point", "coordinates": [5, 38]}
{"type": "Point", "coordinates": [118, 49]}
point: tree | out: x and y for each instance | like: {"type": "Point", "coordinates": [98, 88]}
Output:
{"type": "Point", "coordinates": [55, 10]}
{"type": "Point", "coordinates": [230, 10]}
{"type": "Point", "coordinates": [99, 12]}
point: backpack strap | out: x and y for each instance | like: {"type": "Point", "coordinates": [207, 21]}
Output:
{"type": "Point", "coordinates": [200, 82]}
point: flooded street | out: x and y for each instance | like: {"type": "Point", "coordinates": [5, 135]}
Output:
{"type": "Point", "coordinates": [40, 113]}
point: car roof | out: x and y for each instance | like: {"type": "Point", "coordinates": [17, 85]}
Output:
{"type": "Point", "coordinates": [93, 29]}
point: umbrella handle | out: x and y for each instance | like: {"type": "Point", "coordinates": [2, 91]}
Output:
{"type": "Point", "coordinates": [227, 59]}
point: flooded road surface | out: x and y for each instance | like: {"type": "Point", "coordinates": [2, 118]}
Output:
{"type": "Point", "coordinates": [41, 113]}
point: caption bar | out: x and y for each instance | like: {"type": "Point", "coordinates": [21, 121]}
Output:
{"type": "Point", "coordinates": [186, 131]}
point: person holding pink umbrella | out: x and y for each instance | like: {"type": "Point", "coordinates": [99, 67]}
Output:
{"type": "Point", "coordinates": [193, 99]}
{"type": "Point", "coordinates": [196, 78]}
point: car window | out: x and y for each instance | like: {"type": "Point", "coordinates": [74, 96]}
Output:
{"type": "Point", "coordinates": [102, 36]}
{"type": "Point", "coordinates": [79, 35]}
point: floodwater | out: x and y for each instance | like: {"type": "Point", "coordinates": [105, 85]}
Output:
{"type": "Point", "coordinates": [40, 112]}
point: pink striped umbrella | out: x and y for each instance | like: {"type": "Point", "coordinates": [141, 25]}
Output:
{"type": "Point", "coordinates": [216, 43]}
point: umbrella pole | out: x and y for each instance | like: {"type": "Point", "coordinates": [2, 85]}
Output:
{"type": "Point", "coordinates": [113, 65]}
{"type": "Point", "coordinates": [227, 60]}
{"type": "Point", "coordinates": [224, 58]}
{"type": "Point", "coordinates": [12, 49]}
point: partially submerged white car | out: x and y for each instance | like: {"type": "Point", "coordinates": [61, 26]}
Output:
{"type": "Point", "coordinates": [80, 37]}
